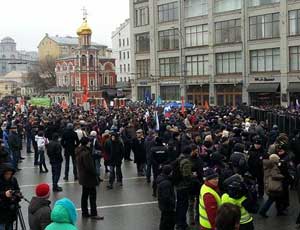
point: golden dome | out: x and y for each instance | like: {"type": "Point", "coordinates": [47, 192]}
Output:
{"type": "Point", "coordinates": [84, 29]}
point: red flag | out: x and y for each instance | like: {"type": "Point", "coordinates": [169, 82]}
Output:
{"type": "Point", "coordinates": [182, 104]}
{"type": "Point", "coordinates": [105, 105]}
{"type": "Point", "coordinates": [206, 106]}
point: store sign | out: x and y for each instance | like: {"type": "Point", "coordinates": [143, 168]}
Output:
{"type": "Point", "coordinates": [143, 83]}
{"type": "Point", "coordinates": [271, 78]}
{"type": "Point", "coordinates": [264, 79]}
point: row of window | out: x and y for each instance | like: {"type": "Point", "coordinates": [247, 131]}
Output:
{"type": "Point", "coordinates": [192, 8]}
{"type": "Point", "coordinates": [122, 41]}
{"type": "Point", "coordinates": [123, 68]}
{"type": "Point", "coordinates": [260, 27]}
{"type": "Point", "coordinates": [124, 55]}
{"type": "Point", "coordinates": [266, 60]}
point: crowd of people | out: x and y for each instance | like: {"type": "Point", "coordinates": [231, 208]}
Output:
{"type": "Point", "coordinates": [213, 165]}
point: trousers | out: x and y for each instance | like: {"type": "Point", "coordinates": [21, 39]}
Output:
{"type": "Point", "coordinates": [56, 171]}
{"type": "Point", "coordinates": [89, 194]}
{"type": "Point", "coordinates": [167, 220]}
{"type": "Point", "coordinates": [67, 157]}
{"type": "Point", "coordinates": [115, 170]}
{"type": "Point", "coordinates": [182, 206]}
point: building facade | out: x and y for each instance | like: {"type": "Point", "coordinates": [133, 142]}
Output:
{"type": "Point", "coordinates": [12, 59]}
{"type": "Point", "coordinates": [86, 75]}
{"type": "Point", "coordinates": [121, 53]}
{"type": "Point", "coordinates": [225, 52]}
{"type": "Point", "coordinates": [60, 47]}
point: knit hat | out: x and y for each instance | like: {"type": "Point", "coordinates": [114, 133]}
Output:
{"type": "Point", "coordinates": [274, 157]}
{"type": "Point", "coordinates": [42, 190]}
{"type": "Point", "coordinates": [210, 174]}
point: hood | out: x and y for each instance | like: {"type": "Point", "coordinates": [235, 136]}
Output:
{"type": "Point", "coordinates": [6, 167]}
{"type": "Point", "coordinates": [64, 211]}
{"type": "Point", "coordinates": [36, 203]}
{"type": "Point", "coordinates": [161, 178]}
{"type": "Point", "coordinates": [268, 164]}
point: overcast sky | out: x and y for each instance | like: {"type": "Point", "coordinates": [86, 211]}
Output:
{"type": "Point", "coordinates": [27, 21]}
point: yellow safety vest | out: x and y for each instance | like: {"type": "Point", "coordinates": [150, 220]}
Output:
{"type": "Point", "coordinates": [245, 216]}
{"type": "Point", "coordinates": [203, 218]}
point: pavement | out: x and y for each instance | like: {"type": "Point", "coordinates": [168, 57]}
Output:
{"type": "Point", "coordinates": [130, 207]}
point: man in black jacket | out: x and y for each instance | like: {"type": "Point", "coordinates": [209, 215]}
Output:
{"type": "Point", "coordinates": [115, 149]}
{"type": "Point", "coordinates": [166, 199]}
{"type": "Point", "coordinates": [54, 153]}
{"type": "Point", "coordinates": [88, 179]}
{"type": "Point", "coordinates": [9, 202]}
{"type": "Point", "coordinates": [14, 146]}
{"type": "Point", "coordinates": [70, 141]}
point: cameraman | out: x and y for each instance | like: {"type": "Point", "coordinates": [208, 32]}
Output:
{"type": "Point", "coordinates": [9, 198]}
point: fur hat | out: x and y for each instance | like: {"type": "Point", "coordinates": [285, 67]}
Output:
{"type": "Point", "coordinates": [274, 157]}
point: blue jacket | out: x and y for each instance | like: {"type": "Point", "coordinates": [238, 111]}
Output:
{"type": "Point", "coordinates": [63, 216]}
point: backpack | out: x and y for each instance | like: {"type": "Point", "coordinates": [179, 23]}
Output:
{"type": "Point", "coordinates": [185, 167]}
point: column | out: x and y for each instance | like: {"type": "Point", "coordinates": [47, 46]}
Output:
{"type": "Point", "coordinates": [245, 52]}
{"type": "Point", "coordinates": [284, 53]}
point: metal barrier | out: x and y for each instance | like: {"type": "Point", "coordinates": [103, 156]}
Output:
{"type": "Point", "coordinates": [286, 123]}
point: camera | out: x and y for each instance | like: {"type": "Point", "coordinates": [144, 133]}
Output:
{"type": "Point", "coordinates": [16, 195]}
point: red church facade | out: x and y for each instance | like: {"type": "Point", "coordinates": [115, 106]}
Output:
{"type": "Point", "coordinates": [87, 74]}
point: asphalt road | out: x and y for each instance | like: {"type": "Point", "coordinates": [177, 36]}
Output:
{"type": "Point", "coordinates": [130, 207]}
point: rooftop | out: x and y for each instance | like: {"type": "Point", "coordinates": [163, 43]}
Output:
{"type": "Point", "coordinates": [68, 40]}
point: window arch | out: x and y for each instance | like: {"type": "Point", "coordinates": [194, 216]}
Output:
{"type": "Point", "coordinates": [66, 79]}
{"type": "Point", "coordinates": [83, 60]}
{"type": "Point", "coordinates": [91, 61]}
{"type": "Point", "coordinates": [65, 67]}
{"type": "Point", "coordinates": [70, 67]}
{"type": "Point", "coordinates": [58, 68]}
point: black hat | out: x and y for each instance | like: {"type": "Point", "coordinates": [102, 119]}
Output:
{"type": "Point", "coordinates": [257, 140]}
{"type": "Point", "coordinates": [167, 169]}
{"type": "Point", "coordinates": [210, 174]}
{"type": "Point", "coordinates": [84, 140]}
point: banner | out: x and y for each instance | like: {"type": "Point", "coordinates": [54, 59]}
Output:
{"type": "Point", "coordinates": [40, 101]}
{"type": "Point", "coordinates": [156, 121]}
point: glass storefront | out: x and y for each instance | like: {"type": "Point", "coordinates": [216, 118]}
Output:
{"type": "Point", "coordinates": [229, 95]}
{"type": "Point", "coordinates": [170, 93]}
{"type": "Point", "coordinates": [143, 92]}
{"type": "Point", "coordinates": [197, 94]}
{"type": "Point", "coordinates": [262, 99]}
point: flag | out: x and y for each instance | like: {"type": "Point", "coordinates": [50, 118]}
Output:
{"type": "Point", "coordinates": [105, 105]}
{"type": "Point", "coordinates": [297, 104]}
{"type": "Point", "coordinates": [167, 111]}
{"type": "Point", "coordinates": [182, 104]}
{"type": "Point", "coordinates": [158, 102]}
{"type": "Point", "coordinates": [206, 106]}
{"type": "Point", "coordinates": [157, 121]}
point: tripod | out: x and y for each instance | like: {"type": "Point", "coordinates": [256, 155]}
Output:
{"type": "Point", "coordinates": [20, 220]}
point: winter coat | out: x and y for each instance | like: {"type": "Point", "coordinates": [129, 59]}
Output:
{"type": "Point", "coordinates": [149, 143]}
{"type": "Point", "coordinates": [69, 141]}
{"type": "Point", "coordinates": [14, 142]}
{"type": "Point", "coordinates": [63, 216]}
{"type": "Point", "coordinates": [8, 206]}
{"type": "Point", "coordinates": [272, 178]}
{"type": "Point", "coordinates": [255, 161]}
{"type": "Point", "coordinates": [54, 152]}
{"type": "Point", "coordinates": [39, 212]}
{"type": "Point", "coordinates": [115, 151]}
{"type": "Point", "coordinates": [166, 193]}
{"type": "Point", "coordinates": [104, 139]}
{"type": "Point", "coordinates": [86, 167]}
{"type": "Point", "coordinates": [139, 151]}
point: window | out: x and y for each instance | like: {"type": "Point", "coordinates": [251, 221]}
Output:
{"type": "Point", "coordinates": [196, 35]}
{"type": "Point", "coordinates": [127, 54]}
{"type": "Point", "coordinates": [139, 1]}
{"type": "Point", "coordinates": [65, 67]}
{"type": "Point", "coordinates": [128, 68]}
{"type": "Point", "coordinates": [264, 26]}
{"type": "Point", "coordinates": [197, 65]}
{"type": "Point", "coordinates": [193, 8]}
{"type": "Point", "coordinates": [261, 2]}
{"type": "Point", "coordinates": [120, 68]}
{"type": "Point", "coordinates": [121, 79]}
{"type": "Point", "coordinates": [142, 43]}
{"type": "Point", "coordinates": [120, 43]}
{"type": "Point", "coordinates": [229, 62]}
{"type": "Point", "coordinates": [168, 12]}
{"type": "Point", "coordinates": [141, 17]}
{"type": "Point", "coordinates": [266, 60]}
{"type": "Point", "coordinates": [123, 42]}
{"type": "Point", "coordinates": [83, 60]}
{"type": "Point", "coordinates": [142, 68]}
{"type": "Point", "coordinates": [106, 79]}
{"type": "Point", "coordinates": [124, 55]}
{"type": "Point", "coordinates": [169, 67]}
{"type": "Point", "coordinates": [144, 92]}
{"type": "Point", "coordinates": [228, 31]}
{"type": "Point", "coordinates": [127, 41]}
{"type": "Point", "coordinates": [294, 22]}
{"type": "Point", "coordinates": [168, 39]}
{"type": "Point", "coordinates": [227, 5]}
{"type": "Point", "coordinates": [91, 61]}
{"type": "Point", "coordinates": [91, 82]}
{"type": "Point", "coordinates": [170, 93]}
{"type": "Point", "coordinates": [125, 79]}
{"type": "Point", "coordinates": [120, 55]}
{"type": "Point", "coordinates": [295, 58]}
{"type": "Point", "coordinates": [125, 68]}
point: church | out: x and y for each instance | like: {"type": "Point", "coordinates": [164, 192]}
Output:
{"type": "Point", "coordinates": [85, 76]}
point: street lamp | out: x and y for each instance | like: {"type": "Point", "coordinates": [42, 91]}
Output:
{"type": "Point", "coordinates": [182, 63]}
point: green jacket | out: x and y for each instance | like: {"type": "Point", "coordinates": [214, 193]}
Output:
{"type": "Point", "coordinates": [62, 218]}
